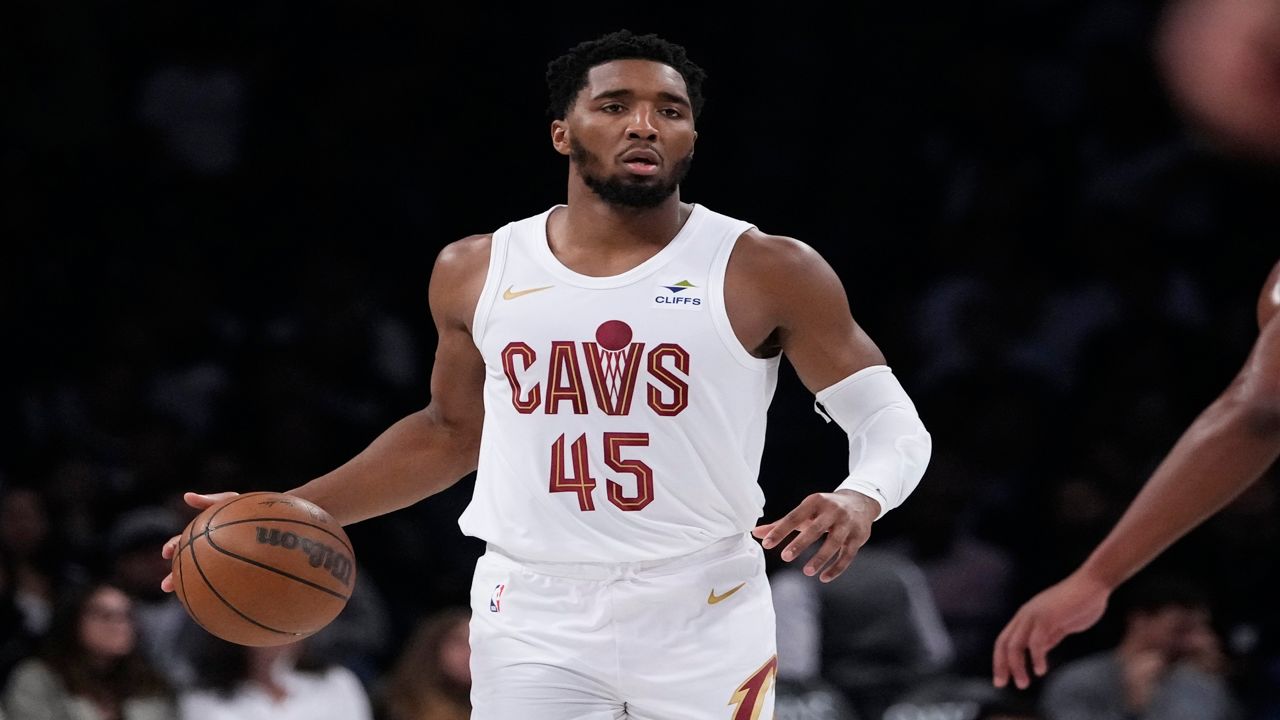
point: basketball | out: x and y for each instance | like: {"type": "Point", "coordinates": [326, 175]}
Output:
{"type": "Point", "coordinates": [263, 569]}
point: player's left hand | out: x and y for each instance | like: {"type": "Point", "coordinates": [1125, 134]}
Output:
{"type": "Point", "coordinates": [844, 516]}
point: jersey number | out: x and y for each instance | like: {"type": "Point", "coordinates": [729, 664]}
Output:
{"type": "Point", "coordinates": [581, 482]}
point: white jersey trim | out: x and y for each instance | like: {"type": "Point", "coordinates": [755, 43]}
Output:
{"type": "Point", "coordinates": [542, 253]}
{"type": "Point", "coordinates": [720, 312]}
{"type": "Point", "coordinates": [498, 245]}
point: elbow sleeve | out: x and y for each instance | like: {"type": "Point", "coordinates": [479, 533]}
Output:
{"type": "Point", "coordinates": [889, 447]}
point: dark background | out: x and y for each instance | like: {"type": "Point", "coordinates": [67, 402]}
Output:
{"type": "Point", "coordinates": [219, 221]}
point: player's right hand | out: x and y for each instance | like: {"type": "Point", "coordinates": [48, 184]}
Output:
{"type": "Point", "coordinates": [1073, 605]}
{"type": "Point", "coordinates": [199, 502]}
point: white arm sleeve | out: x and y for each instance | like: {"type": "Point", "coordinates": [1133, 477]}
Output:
{"type": "Point", "coordinates": [889, 447]}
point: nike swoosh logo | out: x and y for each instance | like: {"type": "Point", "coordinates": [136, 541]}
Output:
{"type": "Point", "coordinates": [508, 294]}
{"type": "Point", "coordinates": [713, 598]}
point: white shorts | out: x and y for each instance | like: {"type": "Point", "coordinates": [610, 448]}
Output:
{"type": "Point", "coordinates": [686, 638]}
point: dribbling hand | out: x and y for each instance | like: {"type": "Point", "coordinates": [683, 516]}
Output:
{"type": "Point", "coordinates": [199, 502]}
{"type": "Point", "coordinates": [844, 516]}
{"type": "Point", "coordinates": [1071, 606]}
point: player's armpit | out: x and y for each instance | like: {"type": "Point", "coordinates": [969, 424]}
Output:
{"type": "Point", "coordinates": [806, 307]}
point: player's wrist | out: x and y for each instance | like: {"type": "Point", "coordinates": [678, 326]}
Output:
{"type": "Point", "coordinates": [874, 504]}
{"type": "Point", "coordinates": [866, 490]}
{"type": "Point", "coordinates": [1095, 576]}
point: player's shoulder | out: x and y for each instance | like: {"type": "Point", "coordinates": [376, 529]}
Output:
{"type": "Point", "coordinates": [780, 257]}
{"type": "Point", "coordinates": [470, 249]}
{"type": "Point", "coordinates": [458, 275]}
{"type": "Point", "coordinates": [463, 258]}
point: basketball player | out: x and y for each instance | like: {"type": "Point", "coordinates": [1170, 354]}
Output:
{"type": "Point", "coordinates": [606, 366]}
{"type": "Point", "coordinates": [1225, 449]}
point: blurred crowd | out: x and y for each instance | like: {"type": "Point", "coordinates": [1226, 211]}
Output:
{"type": "Point", "coordinates": [214, 278]}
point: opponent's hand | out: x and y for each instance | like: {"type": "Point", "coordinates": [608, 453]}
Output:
{"type": "Point", "coordinates": [1071, 606]}
{"type": "Point", "coordinates": [199, 502]}
{"type": "Point", "coordinates": [844, 516]}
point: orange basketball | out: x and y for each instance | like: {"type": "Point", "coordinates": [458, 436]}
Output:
{"type": "Point", "coordinates": [264, 568]}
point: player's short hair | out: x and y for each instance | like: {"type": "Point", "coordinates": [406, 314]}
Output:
{"type": "Point", "coordinates": [567, 74]}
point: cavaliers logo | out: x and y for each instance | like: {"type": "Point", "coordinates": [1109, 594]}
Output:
{"type": "Point", "coordinates": [614, 363]}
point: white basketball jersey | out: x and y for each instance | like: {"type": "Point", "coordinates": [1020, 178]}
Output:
{"type": "Point", "coordinates": [623, 418]}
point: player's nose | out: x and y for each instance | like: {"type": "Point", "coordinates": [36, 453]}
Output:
{"type": "Point", "coordinates": [642, 126]}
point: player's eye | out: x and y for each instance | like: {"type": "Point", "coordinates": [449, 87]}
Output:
{"type": "Point", "coordinates": [612, 108]}
{"type": "Point", "coordinates": [671, 112]}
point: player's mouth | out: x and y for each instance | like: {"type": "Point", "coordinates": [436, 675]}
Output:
{"type": "Point", "coordinates": [642, 162]}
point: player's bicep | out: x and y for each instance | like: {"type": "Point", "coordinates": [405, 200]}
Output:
{"type": "Point", "coordinates": [815, 325]}
{"type": "Point", "coordinates": [457, 381]}
{"type": "Point", "coordinates": [457, 373]}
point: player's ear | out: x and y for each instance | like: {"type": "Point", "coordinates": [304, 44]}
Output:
{"type": "Point", "coordinates": [560, 136]}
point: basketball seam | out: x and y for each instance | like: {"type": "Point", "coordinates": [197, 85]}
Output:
{"type": "Point", "coordinates": [278, 571]}
{"type": "Point", "coordinates": [218, 595]}
{"type": "Point", "coordinates": [229, 504]}
{"type": "Point", "coordinates": [205, 531]}
{"type": "Point", "coordinates": [209, 522]}
{"type": "Point", "coordinates": [182, 582]}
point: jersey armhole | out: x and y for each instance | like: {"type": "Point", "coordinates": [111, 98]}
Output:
{"type": "Point", "coordinates": [720, 314]}
{"type": "Point", "coordinates": [492, 279]}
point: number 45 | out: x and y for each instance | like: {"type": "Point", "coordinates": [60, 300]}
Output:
{"type": "Point", "coordinates": [583, 484]}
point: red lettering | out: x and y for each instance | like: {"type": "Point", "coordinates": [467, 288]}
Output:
{"type": "Point", "coordinates": [564, 379]}
{"type": "Point", "coordinates": [678, 387]}
{"type": "Point", "coordinates": [527, 355]}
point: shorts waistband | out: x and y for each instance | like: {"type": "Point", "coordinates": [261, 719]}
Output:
{"type": "Point", "coordinates": [613, 571]}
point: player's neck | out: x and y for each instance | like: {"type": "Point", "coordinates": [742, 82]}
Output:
{"type": "Point", "coordinates": [590, 223]}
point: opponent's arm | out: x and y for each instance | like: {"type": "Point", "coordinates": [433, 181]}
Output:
{"type": "Point", "coordinates": [430, 450]}
{"type": "Point", "coordinates": [1226, 448]}
{"type": "Point", "coordinates": [807, 317]}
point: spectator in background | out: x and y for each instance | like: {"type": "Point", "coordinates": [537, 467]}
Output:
{"type": "Point", "coordinates": [15, 639]}
{"type": "Point", "coordinates": [271, 683]}
{"type": "Point", "coordinates": [24, 537]}
{"type": "Point", "coordinates": [969, 578]}
{"type": "Point", "coordinates": [165, 629]}
{"type": "Point", "coordinates": [358, 638]}
{"type": "Point", "coordinates": [431, 680]}
{"type": "Point", "coordinates": [873, 634]}
{"type": "Point", "coordinates": [1169, 664]}
{"type": "Point", "coordinates": [961, 698]}
{"type": "Point", "coordinates": [90, 667]}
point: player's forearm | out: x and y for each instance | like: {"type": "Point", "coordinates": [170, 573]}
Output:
{"type": "Point", "coordinates": [415, 458]}
{"type": "Point", "coordinates": [1227, 448]}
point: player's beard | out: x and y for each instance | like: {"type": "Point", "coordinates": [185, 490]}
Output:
{"type": "Point", "coordinates": [639, 192]}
